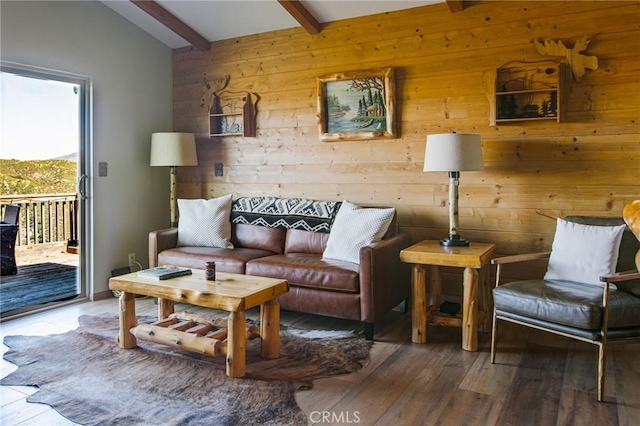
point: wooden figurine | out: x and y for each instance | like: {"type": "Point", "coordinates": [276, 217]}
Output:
{"type": "Point", "coordinates": [631, 214]}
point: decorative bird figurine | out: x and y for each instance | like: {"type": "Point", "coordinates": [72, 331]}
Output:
{"type": "Point", "coordinates": [631, 214]}
{"type": "Point", "coordinates": [577, 61]}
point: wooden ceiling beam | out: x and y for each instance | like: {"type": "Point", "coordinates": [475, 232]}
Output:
{"type": "Point", "coordinates": [302, 15]}
{"type": "Point", "coordinates": [455, 5]}
{"type": "Point", "coordinates": [172, 22]}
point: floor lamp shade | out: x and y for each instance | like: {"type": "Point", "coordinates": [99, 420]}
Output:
{"type": "Point", "coordinates": [173, 149]}
{"type": "Point", "coordinates": [453, 153]}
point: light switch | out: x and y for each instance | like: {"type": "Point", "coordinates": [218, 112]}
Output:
{"type": "Point", "coordinates": [102, 168]}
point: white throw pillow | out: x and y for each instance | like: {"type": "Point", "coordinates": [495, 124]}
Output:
{"type": "Point", "coordinates": [205, 223]}
{"type": "Point", "coordinates": [584, 253]}
{"type": "Point", "coordinates": [355, 227]}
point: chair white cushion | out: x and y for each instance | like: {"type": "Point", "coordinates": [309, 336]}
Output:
{"type": "Point", "coordinates": [583, 253]}
{"type": "Point", "coordinates": [353, 228]}
{"type": "Point", "coordinates": [205, 223]}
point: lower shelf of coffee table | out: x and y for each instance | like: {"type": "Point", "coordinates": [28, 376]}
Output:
{"type": "Point", "coordinates": [190, 332]}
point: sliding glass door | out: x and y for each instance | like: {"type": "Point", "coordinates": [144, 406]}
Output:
{"type": "Point", "coordinates": [44, 156]}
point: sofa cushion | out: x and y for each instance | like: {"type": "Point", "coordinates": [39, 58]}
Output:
{"type": "Point", "coordinates": [308, 270]}
{"type": "Point", "coordinates": [583, 253]}
{"type": "Point", "coordinates": [205, 223]}
{"type": "Point", "coordinates": [258, 237]}
{"type": "Point", "coordinates": [354, 228]}
{"type": "Point", "coordinates": [568, 303]}
{"type": "Point", "coordinates": [232, 261]}
{"type": "Point", "coordinates": [298, 241]}
{"type": "Point", "coordinates": [322, 302]}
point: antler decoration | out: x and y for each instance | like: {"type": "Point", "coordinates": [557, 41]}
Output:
{"type": "Point", "coordinates": [208, 91]}
{"type": "Point", "coordinates": [577, 61]}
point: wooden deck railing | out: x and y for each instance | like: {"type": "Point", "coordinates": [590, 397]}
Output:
{"type": "Point", "coordinates": [45, 218]}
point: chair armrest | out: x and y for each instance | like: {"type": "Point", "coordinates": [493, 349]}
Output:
{"type": "Point", "coordinates": [159, 241]}
{"type": "Point", "coordinates": [384, 280]}
{"type": "Point", "coordinates": [499, 261]}
{"type": "Point", "coordinates": [519, 258]}
{"type": "Point", "coordinates": [620, 277]}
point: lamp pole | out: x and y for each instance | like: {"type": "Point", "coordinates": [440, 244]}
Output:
{"type": "Point", "coordinates": [454, 238]}
{"type": "Point", "coordinates": [172, 196]}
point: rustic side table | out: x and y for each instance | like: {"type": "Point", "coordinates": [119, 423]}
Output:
{"type": "Point", "coordinates": [431, 254]}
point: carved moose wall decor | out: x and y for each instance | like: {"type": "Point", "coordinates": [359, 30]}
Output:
{"type": "Point", "coordinates": [576, 60]}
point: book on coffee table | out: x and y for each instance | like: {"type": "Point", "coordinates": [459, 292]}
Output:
{"type": "Point", "coordinates": [164, 272]}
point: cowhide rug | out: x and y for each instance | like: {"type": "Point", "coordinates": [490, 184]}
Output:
{"type": "Point", "coordinates": [88, 379]}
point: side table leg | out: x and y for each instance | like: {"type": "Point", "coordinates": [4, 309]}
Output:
{"type": "Point", "coordinates": [418, 304]}
{"type": "Point", "coordinates": [270, 329]}
{"type": "Point", "coordinates": [165, 308]}
{"type": "Point", "coordinates": [236, 344]}
{"type": "Point", "coordinates": [434, 288]}
{"type": "Point", "coordinates": [128, 320]}
{"type": "Point", "coordinates": [470, 310]}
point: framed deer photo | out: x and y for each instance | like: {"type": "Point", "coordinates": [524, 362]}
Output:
{"type": "Point", "coordinates": [357, 105]}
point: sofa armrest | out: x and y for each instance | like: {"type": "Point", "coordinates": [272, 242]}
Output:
{"type": "Point", "coordinates": [384, 279]}
{"type": "Point", "coordinates": [159, 241]}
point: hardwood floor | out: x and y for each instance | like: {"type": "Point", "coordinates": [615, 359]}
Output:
{"type": "Point", "coordinates": [539, 379]}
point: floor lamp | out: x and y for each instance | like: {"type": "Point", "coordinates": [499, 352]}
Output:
{"type": "Point", "coordinates": [173, 150]}
{"type": "Point", "coordinates": [453, 153]}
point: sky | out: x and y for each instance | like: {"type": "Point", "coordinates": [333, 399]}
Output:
{"type": "Point", "coordinates": [39, 119]}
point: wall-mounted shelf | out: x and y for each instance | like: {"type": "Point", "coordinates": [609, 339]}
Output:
{"type": "Point", "coordinates": [232, 114]}
{"type": "Point", "coordinates": [528, 91]}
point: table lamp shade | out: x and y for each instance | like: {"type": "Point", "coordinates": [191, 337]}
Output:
{"type": "Point", "coordinates": [173, 149]}
{"type": "Point", "coordinates": [453, 152]}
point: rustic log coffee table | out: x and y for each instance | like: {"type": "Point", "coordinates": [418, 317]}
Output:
{"type": "Point", "coordinates": [230, 292]}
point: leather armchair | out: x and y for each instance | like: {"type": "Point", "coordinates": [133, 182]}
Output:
{"type": "Point", "coordinates": [595, 314]}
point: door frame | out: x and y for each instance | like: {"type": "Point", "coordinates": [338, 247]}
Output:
{"type": "Point", "coordinates": [84, 173]}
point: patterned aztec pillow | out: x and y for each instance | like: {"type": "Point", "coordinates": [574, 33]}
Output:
{"type": "Point", "coordinates": [205, 223]}
{"type": "Point", "coordinates": [355, 227]}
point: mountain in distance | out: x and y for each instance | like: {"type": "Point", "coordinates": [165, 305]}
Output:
{"type": "Point", "coordinates": [69, 157]}
{"type": "Point", "coordinates": [55, 176]}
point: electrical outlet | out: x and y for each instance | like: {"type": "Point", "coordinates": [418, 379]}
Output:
{"type": "Point", "coordinates": [132, 259]}
{"type": "Point", "coordinates": [218, 169]}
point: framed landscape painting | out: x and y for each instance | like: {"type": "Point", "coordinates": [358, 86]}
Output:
{"type": "Point", "coordinates": [356, 105]}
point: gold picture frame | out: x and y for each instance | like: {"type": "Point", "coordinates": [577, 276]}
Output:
{"type": "Point", "coordinates": [357, 105]}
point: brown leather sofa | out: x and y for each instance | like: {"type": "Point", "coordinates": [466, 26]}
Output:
{"type": "Point", "coordinates": [334, 288]}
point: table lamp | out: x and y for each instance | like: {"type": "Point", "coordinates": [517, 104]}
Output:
{"type": "Point", "coordinates": [453, 153]}
{"type": "Point", "coordinates": [173, 149]}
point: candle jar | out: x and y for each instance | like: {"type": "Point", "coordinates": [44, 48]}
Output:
{"type": "Point", "coordinates": [210, 271]}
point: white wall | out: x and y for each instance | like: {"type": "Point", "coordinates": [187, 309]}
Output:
{"type": "Point", "coordinates": [131, 75]}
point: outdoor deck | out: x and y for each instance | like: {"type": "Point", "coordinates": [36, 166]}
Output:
{"type": "Point", "coordinates": [45, 253]}
{"type": "Point", "coordinates": [49, 272]}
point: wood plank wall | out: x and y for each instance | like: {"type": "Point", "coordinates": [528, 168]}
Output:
{"type": "Point", "coordinates": [533, 170]}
